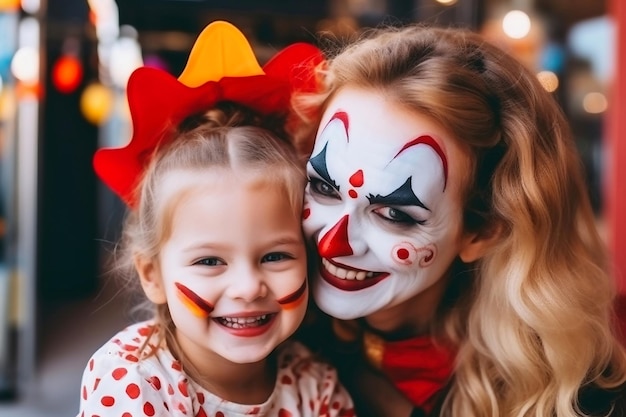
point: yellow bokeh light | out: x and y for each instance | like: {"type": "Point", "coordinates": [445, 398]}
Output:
{"type": "Point", "coordinates": [548, 80]}
{"type": "Point", "coordinates": [595, 103]}
{"type": "Point", "coordinates": [96, 103]}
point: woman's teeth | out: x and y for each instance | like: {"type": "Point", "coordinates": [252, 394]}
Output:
{"type": "Point", "coordinates": [349, 274]}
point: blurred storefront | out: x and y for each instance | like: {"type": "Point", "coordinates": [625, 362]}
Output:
{"type": "Point", "coordinates": [63, 70]}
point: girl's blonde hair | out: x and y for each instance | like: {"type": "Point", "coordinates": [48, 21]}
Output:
{"type": "Point", "coordinates": [533, 318]}
{"type": "Point", "coordinates": [228, 137]}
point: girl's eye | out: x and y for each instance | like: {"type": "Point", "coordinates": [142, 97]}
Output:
{"type": "Point", "coordinates": [321, 187]}
{"type": "Point", "coordinates": [210, 262]}
{"type": "Point", "coordinates": [394, 215]}
{"type": "Point", "coordinates": [275, 257]}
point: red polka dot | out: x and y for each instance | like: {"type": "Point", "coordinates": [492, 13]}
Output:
{"type": "Point", "coordinates": [170, 389]}
{"type": "Point", "coordinates": [131, 348]}
{"type": "Point", "coordinates": [107, 401]}
{"type": "Point", "coordinates": [306, 213]}
{"type": "Point", "coordinates": [144, 331]}
{"type": "Point", "coordinates": [96, 383]}
{"type": "Point", "coordinates": [347, 413]}
{"type": "Point", "coordinates": [201, 413]}
{"type": "Point", "coordinates": [84, 392]}
{"type": "Point", "coordinates": [148, 409]}
{"type": "Point", "coordinates": [155, 382]}
{"type": "Point", "coordinates": [132, 358]}
{"type": "Point", "coordinates": [91, 365]}
{"type": "Point", "coordinates": [182, 408]}
{"type": "Point", "coordinates": [119, 373]}
{"type": "Point", "coordinates": [403, 253]}
{"type": "Point", "coordinates": [176, 365]}
{"type": "Point", "coordinates": [127, 415]}
{"type": "Point", "coordinates": [353, 193]}
{"type": "Point", "coordinates": [200, 398]}
{"type": "Point", "coordinates": [219, 414]}
{"type": "Point", "coordinates": [132, 390]}
{"type": "Point", "coordinates": [182, 387]}
{"type": "Point", "coordinates": [286, 379]}
{"type": "Point", "coordinates": [312, 404]}
{"type": "Point", "coordinates": [284, 413]}
{"type": "Point", "coordinates": [336, 405]}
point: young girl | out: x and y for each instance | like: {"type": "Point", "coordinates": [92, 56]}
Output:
{"type": "Point", "coordinates": [457, 244]}
{"type": "Point", "coordinates": [215, 239]}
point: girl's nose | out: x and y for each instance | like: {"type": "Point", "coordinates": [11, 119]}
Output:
{"type": "Point", "coordinates": [247, 284]}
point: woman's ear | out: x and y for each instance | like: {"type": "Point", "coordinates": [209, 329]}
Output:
{"type": "Point", "coordinates": [150, 278]}
{"type": "Point", "coordinates": [475, 245]}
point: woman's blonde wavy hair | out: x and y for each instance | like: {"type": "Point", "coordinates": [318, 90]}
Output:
{"type": "Point", "coordinates": [228, 136]}
{"type": "Point", "coordinates": [533, 318]}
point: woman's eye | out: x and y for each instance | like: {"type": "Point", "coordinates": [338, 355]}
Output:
{"type": "Point", "coordinates": [397, 216]}
{"type": "Point", "coordinates": [210, 262]}
{"type": "Point", "coordinates": [275, 257]}
{"type": "Point", "coordinates": [323, 188]}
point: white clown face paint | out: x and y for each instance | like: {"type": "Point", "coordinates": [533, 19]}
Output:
{"type": "Point", "coordinates": [383, 204]}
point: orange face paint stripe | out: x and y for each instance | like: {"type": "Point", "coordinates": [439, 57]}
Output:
{"type": "Point", "coordinates": [193, 301]}
{"type": "Point", "coordinates": [294, 299]}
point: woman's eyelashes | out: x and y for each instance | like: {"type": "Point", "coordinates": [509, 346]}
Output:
{"type": "Point", "coordinates": [321, 187]}
{"type": "Point", "coordinates": [397, 216]}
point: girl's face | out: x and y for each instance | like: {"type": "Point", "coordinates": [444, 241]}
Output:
{"type": "Point", "coordinates": [383, 204]}
{"type": "Point", "coordinates": [233, 267]}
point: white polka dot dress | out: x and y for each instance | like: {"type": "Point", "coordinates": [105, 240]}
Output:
{"type": "Point", "coordinates": [117, 383]}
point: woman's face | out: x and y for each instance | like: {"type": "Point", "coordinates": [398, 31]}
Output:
{"type": "Point", "coordinates": [383, 204]}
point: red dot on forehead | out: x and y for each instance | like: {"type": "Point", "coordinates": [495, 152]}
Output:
{"type": "Point", "coordinates": [402, 253]}
{"type": "Point", "coordinates": [353, 193]}
{"type": "Point", "coordinates": [356, 180]}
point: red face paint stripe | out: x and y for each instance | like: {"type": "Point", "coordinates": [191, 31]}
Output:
{"type": "Point", "coordinates": [194, 300]}
{"type": "Point", "coordinates": [343, 117]}
{"type": "Point", "coordinates": [427, 140]}
{"type": "Point", "coordinates": [294, 296]}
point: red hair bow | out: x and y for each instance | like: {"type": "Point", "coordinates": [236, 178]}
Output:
{"type": "Point", "coordinates": [221, 67]}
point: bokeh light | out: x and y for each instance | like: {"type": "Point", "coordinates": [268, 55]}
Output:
{"type": "Point", "coordinates": [516, 24]}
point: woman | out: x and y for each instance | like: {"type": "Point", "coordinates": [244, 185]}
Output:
{"type": "Point", "coordinates": [457, 243]}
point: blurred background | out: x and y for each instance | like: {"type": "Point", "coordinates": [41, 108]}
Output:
{"type": "Point", "coordinates": [63, 70]}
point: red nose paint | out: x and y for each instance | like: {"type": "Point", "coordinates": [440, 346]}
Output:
{"type": "Point", "coordinates": [335, 242]}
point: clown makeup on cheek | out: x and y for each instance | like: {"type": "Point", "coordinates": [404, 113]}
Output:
{"type": "Point", "coordinates": [194, 303]}
{"type": "Point", "coordinates": [295, 299]}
